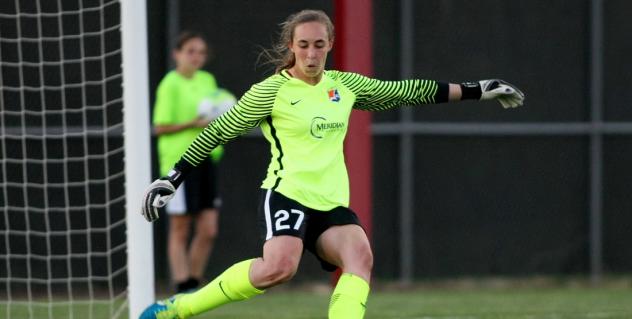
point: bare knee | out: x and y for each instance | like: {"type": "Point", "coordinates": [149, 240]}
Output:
{"type": "Point", "coordinates": [364, 257]}
{"type": "Point", "coordinates": [279, 270]}
{"type": "Point", "coordinates": [358, 260]}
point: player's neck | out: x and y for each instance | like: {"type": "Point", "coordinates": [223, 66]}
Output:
{"type": "Point", "coordinates": [296, 73]}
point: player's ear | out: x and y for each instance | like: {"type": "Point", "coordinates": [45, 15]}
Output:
{"type": "Point", "coordinates": [331, 45]}
{"type": "Point", "coordinates": [289, 46]}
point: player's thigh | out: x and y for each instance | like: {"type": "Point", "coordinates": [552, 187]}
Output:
{"type": "Point", "coordinates": [283, 252]}
{"type": "Point", "coordinates": [321, 222]}
{"type": "Point", "coordinates": [281, 256]}
{"type": "Point", "coordinates": [345, 245]}
{"type": "Point", "coordinates": [282, 223]}
{"type": "Point", "coordinates": [281, 216]}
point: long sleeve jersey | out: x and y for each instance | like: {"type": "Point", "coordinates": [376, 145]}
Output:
{"type": "Point", "coordinates": [306, 126]}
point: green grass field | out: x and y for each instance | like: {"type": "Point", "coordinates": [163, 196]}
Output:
{"type": "Point", "coordinates": [447, 304]}
{"type": "Point", "coordinates": [426, 303]}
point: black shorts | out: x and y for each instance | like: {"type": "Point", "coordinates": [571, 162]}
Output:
{"type": "Point", "coordinates": [197, 192]}
{"type": "Point", "coordinates": [279, 215]}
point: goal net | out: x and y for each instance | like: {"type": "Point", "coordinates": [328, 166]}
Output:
{"type": "Point", "coordinates": [63, 227]}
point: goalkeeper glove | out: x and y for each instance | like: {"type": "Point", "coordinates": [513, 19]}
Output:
{"type": "Point", "coordinates": [495, 89]}
{"type": "Point", "coordinates": [159, 193]}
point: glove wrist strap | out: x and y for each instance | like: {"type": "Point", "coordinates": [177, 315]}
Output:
{"type": "Point", "coordinates": [177, 175]}
{"type": "Point", "coordinates": [471, 91]}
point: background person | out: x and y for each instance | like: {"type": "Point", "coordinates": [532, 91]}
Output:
{"type": "Point", "coordinates": [187, 99]}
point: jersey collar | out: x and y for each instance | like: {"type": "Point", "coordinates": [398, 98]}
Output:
{"type": "Point", "coordinates": [288, 75]}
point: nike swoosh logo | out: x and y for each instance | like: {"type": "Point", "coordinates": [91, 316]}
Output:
{"type": "Point", "coordinates": [294, 102]}
{"type": "Point", "coordinates": [224, 292]}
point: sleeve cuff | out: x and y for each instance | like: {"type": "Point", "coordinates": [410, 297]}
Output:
{"type": "Point", "coordinates": [443, 92]}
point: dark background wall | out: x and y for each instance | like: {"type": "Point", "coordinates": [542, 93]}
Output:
{"type": "Point", "coordinates": [491, 205]}
{"type": "Point", "coordinates": [497, 205]}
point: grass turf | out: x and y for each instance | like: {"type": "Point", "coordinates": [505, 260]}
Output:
{"type": "Point", "coordinates": [571, 303]}
{"type": "Point", "coordinates": [442, 303]}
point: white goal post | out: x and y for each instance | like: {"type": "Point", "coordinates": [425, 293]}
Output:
{"type": "Point", "coordinates": [140, 254]}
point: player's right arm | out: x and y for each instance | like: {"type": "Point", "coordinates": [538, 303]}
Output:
{"type": "Point", "coordinates": [253, 107]}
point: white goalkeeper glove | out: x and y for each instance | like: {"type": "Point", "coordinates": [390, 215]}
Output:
{"type": "Point", "coordinates": [495, 89]}
{"type": "Point", "coordinates": [158, 194]}
{"type": "Point", "coordinates": [507, 94]}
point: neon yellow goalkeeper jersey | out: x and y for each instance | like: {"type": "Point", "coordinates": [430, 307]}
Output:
{"type": "Point", "coordinates": [306, 126]}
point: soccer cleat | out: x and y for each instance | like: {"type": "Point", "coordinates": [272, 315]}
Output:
{"type": "Point", "coordinates": [164, 309]}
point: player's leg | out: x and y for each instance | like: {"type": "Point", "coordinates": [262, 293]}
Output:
{"type": "Point", "coordinates": [282, 224]}
{"type": "Point", "coordinates": [282, 252]}
{"type": "Point", "coordinates": [281, 255]}
{"type": "Point", "coordinates": [206, 228]}
{"type": "Point", "coordinates": [347, 246]}
{"type": "Point", "coordinates": [241, 281]}
{"type": "Point", "coordinates": [232, 285]}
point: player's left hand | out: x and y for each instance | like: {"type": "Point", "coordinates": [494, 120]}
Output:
{"type": "Point", "coordinates": [507, 94]}
{"type": "Point", "coordinates": [156, 196]}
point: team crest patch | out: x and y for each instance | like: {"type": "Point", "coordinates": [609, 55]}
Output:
{"type": "Point", "coordinates": [334, 96]}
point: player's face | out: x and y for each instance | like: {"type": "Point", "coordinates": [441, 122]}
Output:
{"type": "Point", "coordinates": [310, 46]}
{"type": "Point", "coordinates": [192, 55]}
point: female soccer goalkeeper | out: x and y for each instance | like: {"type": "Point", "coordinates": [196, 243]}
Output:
{"type": "Point", "coordinates": [303, 111]}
